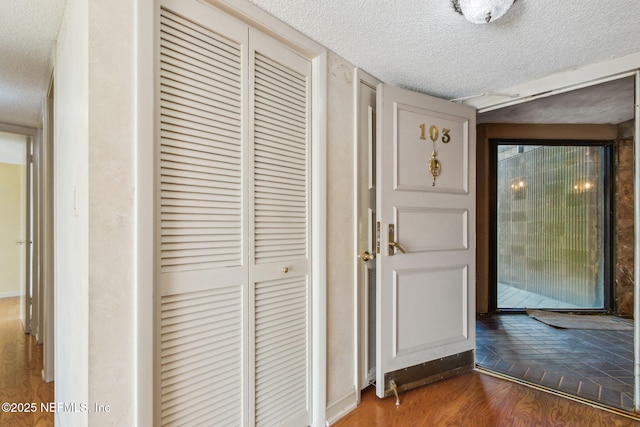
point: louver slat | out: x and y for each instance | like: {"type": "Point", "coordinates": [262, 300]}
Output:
{"type": "Point", "coordinates": [201, 353]}
{"type": "Point", "coordinates": [280, 162]}
{"type": "Point", "coordinates": [281, 336]}
{"type": "Point", "coordinates": [200, 147]}
{"type": "Point", "coordinates": [200, 187]}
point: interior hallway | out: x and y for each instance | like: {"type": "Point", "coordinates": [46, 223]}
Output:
{"type": "Point", "coordinates": [20, 371]}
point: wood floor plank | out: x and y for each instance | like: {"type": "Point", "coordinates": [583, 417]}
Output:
{"type": "Point", "coordinates": [20, 370]}
{"type": "Point", "coordinates": [476, 399]}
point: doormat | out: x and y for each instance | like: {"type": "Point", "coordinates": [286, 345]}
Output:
{"type": "Point", "coordinates": [603, 322]}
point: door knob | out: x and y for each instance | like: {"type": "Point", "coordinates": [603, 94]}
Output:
{"type": "Point", "coordinates": [366, 256]}
{"type": "Point", "coordinates": [285, 269]}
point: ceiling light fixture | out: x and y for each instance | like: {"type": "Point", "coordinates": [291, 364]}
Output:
{"type": "Point", "coordinates": [482, 11]}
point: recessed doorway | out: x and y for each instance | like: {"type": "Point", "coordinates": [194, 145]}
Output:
{"type": "Point", "coordinates": [508, 340]}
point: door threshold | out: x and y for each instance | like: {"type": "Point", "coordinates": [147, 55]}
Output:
{"type": "Point", "coordinates": [558, 310]}
{"type": "Point", "coordinates": [628, 414]}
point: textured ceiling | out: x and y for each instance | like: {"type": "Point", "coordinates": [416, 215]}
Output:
{"type": "Point", "coordinates": [416, 44]}
{"type": "Point", "coordinates": [425, 46]}
{"type": "Point", "coordinates": [28, 31]}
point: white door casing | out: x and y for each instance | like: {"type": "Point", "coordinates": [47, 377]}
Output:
{"type": "Point", "coordinates": [25, 241]}
{"type": "Point", "coordinates": [366, 225]}
{"type": "Point", "coordinates": [426, 296]}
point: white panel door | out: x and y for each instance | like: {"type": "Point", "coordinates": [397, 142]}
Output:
{"type": "Point", "coordinates": [426, 265]}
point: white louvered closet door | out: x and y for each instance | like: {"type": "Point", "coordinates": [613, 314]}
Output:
{"type": "Point", "coordinates": [232, 278]}
{"type": "Point", "coordinates": [202, 271]}
{"type": "Point", "coordinates": [280, 265]}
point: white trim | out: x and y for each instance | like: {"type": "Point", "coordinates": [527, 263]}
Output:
{"type": "Point", "coordinates": [559, 83]}
{"type": "Point", "coordinates": [338, 408]}
{"type": "Point", "coordinates": [143, 411]}
{"type": "Point", "coordinates": [360, 309]}
{"type": "Point", "coordinates": [319, 238]}
{"type": "Point", "coordinates": [10, 294]}
{"type": "Point", "coordinates": [636, 245]}
{"type": "Point", "coordinates": [47, 244]}
{"type": "Point", "coordinates": [22, 130]}
{"type": "Point", "coordinates": [27, 300]}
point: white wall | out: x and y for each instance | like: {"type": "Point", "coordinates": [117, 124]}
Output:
{"type": "Point", "coordinates": [71, 213]}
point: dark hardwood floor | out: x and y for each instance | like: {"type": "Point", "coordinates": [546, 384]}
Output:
{"type": "Point", "coordinates": [20, 372]}
{"type": "Point", "coordinates": [476, 399]}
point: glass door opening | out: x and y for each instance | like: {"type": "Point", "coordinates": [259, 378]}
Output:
{"type": "Point", "coordinates": [552, 222]}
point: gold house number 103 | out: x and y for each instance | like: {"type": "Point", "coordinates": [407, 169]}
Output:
{"type": "Point", "coordinates": [434, 133]}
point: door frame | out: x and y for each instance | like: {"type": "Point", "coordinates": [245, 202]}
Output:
{"type": "Point", "coordinates": [45, 165]}
{"type": "Point", "coordinates": [361, 301]}
{"type": "Point", "coordinates": [145, 265]}
{"type": "Point", "coordinates": [32, 141]}
{"type": "Point", "coordinates": [41, 213]}
{"type": "Point", "coordinates": [31, 306]}
{"type": "Point", "coordinates": [608, 202]}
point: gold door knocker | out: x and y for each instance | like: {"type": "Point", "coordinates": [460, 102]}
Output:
{"type": "Point", "coordinates": [434, 168]}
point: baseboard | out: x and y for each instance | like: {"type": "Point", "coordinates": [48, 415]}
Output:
{"type": "Point", "coordinates": [10, 294]}
{"type": "Point", "coordinates": [338, 408]}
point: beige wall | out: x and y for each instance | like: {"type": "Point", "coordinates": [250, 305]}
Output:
{"type": "Point", "coordinates": [341, 255]}
{"type": "Point", "coordinates": [95, 203]}
{"type": "Point", "coordinates": [111, 211]}
{"type": "Point", "coordinates": [11, 183]}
